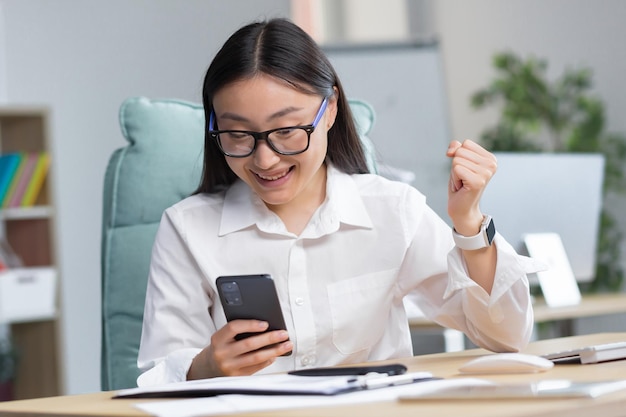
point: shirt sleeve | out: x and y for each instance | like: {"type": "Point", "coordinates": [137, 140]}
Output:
{"type": "Point", "coordinates": [177, 323]}
{"type": "Point", "coordinates": [445, 293]}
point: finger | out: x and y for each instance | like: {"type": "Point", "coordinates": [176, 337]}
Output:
{"type": "Point", "coordinates": [469, 178]}
{"type": "Point", "coordinates": [253, 369]}
{"type": "Point", "coordinates": [477, 153]}
{"type": "Point", "coordinates": [223, 343]}
{"type": "Point", "coordinates": [262, 340]}
{"type": "Point", "coordinates": [455, 182]}
{"type": "Point", "coordinates": [481, 163]}
{"type": "Point", "coordinates": [253, 360]}
{"type": "Point", "coordinates": [235, 327]}
{"type": "Point", "coordinates": [467, 172]}
{"type": "Point", "coordinates": [245, 365]}
{"type": "Point", "coordinates": [473, 145]}
{"type": "Point", "coordinates": [453, 147]}
{"type": "Point", "coordinates": [474, 158]}
{"type": "Point", "coordinates": [480, 167]}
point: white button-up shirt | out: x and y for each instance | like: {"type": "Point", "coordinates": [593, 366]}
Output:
{"type": "Point", "coordinates": [341, 282]}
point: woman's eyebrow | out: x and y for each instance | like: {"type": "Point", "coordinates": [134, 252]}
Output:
{"type": "Point", "coordinates": [239, 118]}
{"type": "Point", "coordinates": [233, 116]}
{"type": "Point", "coordinates": [283, 112]}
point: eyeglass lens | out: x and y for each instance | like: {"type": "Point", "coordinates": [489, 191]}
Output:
{"type": "Point", "coordinates": [289, 141]}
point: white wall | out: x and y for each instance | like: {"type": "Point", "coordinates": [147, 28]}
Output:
{"type": "Point", "coordinates": [82, 58]}
{"type": "Point", "coordinates": [3, 79]}
{"type": "Point", "coordinates": [568, 33]}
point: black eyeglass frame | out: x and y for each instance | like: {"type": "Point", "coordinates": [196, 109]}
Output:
{"type": "Point", "coordinates": [215, 134]}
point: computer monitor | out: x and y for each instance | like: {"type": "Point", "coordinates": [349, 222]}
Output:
{"type": "Point", "coordinates": [560, 193]}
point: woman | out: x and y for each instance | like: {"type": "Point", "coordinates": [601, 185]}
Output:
{"type": "Point", "coordinates": [285, 191]}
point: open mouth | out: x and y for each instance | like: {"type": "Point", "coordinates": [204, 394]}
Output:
{"type": "Point", "coordinates": [274, 177]}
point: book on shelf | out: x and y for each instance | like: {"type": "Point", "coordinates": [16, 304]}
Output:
{"type": "Point", "coordinates": [37, 179]}
{"type": "Point", "coordinates": [23, 179]}
{"type": "Point", "coordinates": [6, 199]}
{"type": "Point", "coordinates": [8, 165]}
{"type": "Point", "coordinates": [24, 185]}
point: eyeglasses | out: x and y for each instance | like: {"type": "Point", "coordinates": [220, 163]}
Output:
{"type": "Point", "coordinates": [290, 140]}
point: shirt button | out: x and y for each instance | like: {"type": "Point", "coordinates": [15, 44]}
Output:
{"type": "Point", "coordinates": [308, 360]}
{"type": "Point", "coordinates": [299, 301]}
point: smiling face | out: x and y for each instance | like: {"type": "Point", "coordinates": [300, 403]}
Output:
{"type": "Point", "coordinates": [294, 182]}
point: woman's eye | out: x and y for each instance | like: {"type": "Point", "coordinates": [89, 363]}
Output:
{"type": "Point", "coordinates": [237, 135]}
{"type": "Point", "coordinates": [284, 132]}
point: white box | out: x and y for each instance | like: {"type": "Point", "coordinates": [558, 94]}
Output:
{"type": "Point", "coordinates": [27, 294]}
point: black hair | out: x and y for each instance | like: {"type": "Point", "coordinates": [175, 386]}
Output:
{"type": "Point", "coordinates": [281, 49]}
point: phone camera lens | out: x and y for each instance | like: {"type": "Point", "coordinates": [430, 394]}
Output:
{"type": "Point", "coordinates": [230, 291]}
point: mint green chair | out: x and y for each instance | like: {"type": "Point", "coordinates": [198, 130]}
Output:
{"type": "Point", "coordinates": [160, 166]}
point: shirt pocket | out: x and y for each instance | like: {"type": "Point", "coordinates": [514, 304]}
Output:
{"type": "Point", "coordinates": [359, 310]}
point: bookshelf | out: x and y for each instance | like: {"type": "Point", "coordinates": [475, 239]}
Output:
{"type": "Point", "coordinates": [30, 231]}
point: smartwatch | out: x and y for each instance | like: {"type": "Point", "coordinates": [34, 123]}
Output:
{"type": "Point", "coordinates": [482, 240]}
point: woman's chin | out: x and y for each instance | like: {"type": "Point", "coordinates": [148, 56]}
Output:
{"type": "Point", "coordinates": [275, 199]}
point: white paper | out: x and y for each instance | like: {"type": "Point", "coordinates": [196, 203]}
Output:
{"type": "Point", "coordinates": [558, 284]}
{"type": "Point", "coordinates": [276, 383]}
{"type": "Point", "coordinates": [235, 403]}
{"type": "Point", "coordinates": [549, 388]}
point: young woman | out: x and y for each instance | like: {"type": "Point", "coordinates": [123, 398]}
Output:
{"type": "Point", "coordinates": [286, 191]}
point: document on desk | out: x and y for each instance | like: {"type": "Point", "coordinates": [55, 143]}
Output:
{"type": "Point", "coordinates": [551, 388]}
{"type": "Point", "coordinates": [237, 403]}
{"type": "Point", "coordinates": [275, 384]}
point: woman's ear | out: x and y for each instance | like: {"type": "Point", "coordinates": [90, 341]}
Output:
{"type": "Point", "coordinates": [331, 109]}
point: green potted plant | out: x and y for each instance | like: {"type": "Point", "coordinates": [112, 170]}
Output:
{"type": "Point", "coordinates": [539, 115]}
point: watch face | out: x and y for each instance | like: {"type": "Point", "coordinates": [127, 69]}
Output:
{"type": "Point", "coordinates": [491, 231]}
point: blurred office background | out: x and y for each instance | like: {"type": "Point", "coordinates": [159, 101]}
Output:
{"type": "Point", "coordinates": [82, 58]}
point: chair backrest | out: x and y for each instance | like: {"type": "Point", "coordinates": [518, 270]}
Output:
{"type": "Point", "coordinates": [160, 166]}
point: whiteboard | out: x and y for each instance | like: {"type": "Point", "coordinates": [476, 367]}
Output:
{"type": "Point", "coordinates": [405, 85]}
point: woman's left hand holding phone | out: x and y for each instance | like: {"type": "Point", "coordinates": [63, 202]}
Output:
{"type": "Point", "coordinates": [226, 356]}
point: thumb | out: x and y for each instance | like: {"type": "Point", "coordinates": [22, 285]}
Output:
{"type": "Point", "coordinates": [452, 148]}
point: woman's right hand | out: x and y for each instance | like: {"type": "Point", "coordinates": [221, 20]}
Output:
{"type": "Point", "coordinates": [226, 356]}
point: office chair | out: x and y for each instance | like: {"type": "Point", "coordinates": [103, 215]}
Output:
{"type": "Point", "coordinates": [160, 166]}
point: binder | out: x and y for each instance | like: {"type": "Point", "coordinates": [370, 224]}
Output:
{"type": "Point", "coordinates": [275, 384]}
{"type": "Point", "coordinates": [8, 167]}
{"type": "Point", "coordinates": [37, 179]}
{"type": "Point", "coordinates": [14, 180]}
{"type": "Point", "coordinates": [23, 179]}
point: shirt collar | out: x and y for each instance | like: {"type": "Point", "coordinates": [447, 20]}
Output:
{"type": "Point", "coordinates": [343, 204]}
{"type": "Point", "coordinates": [344, 199]}
{"type": "Point", "coordinates": [242, 209]}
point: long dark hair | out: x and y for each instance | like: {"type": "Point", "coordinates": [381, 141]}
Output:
{"type": "Point", "coordinates": [281, 49]}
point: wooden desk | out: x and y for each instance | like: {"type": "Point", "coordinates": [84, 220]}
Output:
{"type": "Point", "coordinates": [441, 364]}
{"type": "Point", "coordinates": [590, 305]}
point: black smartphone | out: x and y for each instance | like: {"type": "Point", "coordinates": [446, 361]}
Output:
{"type": "Point", "coordinates": [251, 297]}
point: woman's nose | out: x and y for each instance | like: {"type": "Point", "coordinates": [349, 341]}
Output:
{"type": "Point", "coordinates": [264, 156]}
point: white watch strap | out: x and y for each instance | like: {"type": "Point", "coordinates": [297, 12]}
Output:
{"type": "Point", "coordinates": [475, 242]}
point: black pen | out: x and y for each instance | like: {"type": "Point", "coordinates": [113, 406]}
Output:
{"type": "Point", "coordinates": [392, 369]}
